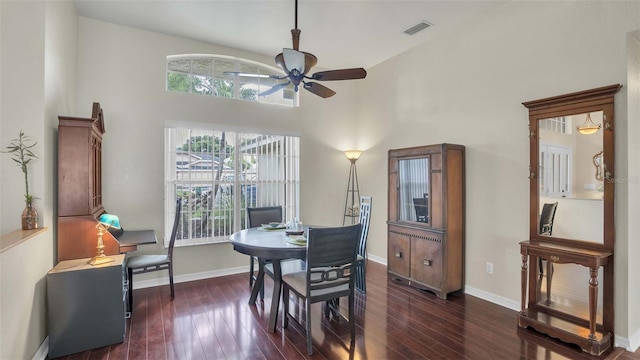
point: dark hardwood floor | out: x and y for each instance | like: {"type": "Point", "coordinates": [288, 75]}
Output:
{"type": "Point", "coordinates": [211, 319]}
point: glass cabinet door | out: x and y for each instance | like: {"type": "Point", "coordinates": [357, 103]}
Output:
{"type": "Point", "coordinates": [413, 186]}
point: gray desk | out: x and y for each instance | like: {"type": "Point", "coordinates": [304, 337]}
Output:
{"type": "Point", "coordinates": [130, 239]}
{"type": "Point", "coordinates": [267, 245]}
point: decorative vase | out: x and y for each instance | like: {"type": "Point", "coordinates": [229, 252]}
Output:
{"type": "Point", "coordinates": [29, 217]}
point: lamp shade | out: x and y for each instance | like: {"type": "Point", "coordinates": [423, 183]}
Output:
{"type": "Point", "coordinates": [588, 127]}
{"type": "Point", "coordinates": [352, 154]}
{"type": "Point", "coordinates": [110, 220]}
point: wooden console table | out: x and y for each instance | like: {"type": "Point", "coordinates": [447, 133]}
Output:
{"type": "Point", "coordinates": [587, 334]}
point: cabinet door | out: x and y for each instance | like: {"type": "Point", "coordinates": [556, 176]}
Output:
{"type": "Point", "coordinates": [399, 256]}
{"type": "Point", "coordinates": [426, 261]}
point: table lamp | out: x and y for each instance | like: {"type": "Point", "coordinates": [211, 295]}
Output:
{"type": "Point", "coordinates": [106, 221]}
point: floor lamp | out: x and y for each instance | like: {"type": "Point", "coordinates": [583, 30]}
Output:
{"type": "Point", "coordinates": [351, 203]}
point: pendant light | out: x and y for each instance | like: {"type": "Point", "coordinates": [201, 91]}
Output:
{"type": "Point", "coordinates": [588, 127]}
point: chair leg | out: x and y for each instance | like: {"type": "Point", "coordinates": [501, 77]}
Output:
{"type": "Point", "coordinates": [285, 307]}
{"type": "Point", "coordinates": [308, 315]}
{"type": "Point", "coordinates": [173, 293]}
{"type": "Point", "coordinates": [352, 320]}
{"type": "Point", "coordinates": [251, 271]}
{"type": "Point", "coordinates": [361, 277]}
{"type": "Point", "coordinates": [130, 274]}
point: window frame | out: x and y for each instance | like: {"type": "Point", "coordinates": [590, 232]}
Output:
{"type": "Point", "coordinates": [280, 97]}
{"type": "Point", "coordinates": [262, 189]}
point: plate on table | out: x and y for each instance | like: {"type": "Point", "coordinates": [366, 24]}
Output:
{"type": "Point", "coordinates": [273, 226]}
{"type": "Point", "coordinates": [297, 240]}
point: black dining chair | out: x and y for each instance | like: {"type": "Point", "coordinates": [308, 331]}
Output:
{"type": "Point", "coordinates": [330, 274]}
{"type": "Point", "coordinates": [257, 216]}
{"type": "Point", "coordinates": [422, 211]}
{"type": "Point", "coordinates": [140, 264]}
{"type": "Point", "coordinates": [547, 216]}
{"type": "Point", "coordinates": [361, 266]}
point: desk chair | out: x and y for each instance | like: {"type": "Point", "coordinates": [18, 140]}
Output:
{"type": "Point", "coordinates": [147, 263]}
{"type": "Point", "coordinates": [258, 216]}
{"type": "Point", "coordinates": [330, 274]}
{"type": "Point", "coordinates": [361, 268]}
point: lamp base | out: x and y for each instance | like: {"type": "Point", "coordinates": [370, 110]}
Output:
{"type": "Point", "coordinates": [100, 259]}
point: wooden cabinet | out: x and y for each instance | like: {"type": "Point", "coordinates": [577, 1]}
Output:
{"type": "Point", "coordinates": [80, 164]}
{"type": "Point", "coordinates": [86, 305]}
{"type": "Point", "coordinates": [426, 217]}
{"type": "Point", "coordinates": [80, 186]}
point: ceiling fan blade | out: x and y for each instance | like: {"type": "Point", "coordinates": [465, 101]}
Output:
{"type": "Point", "coordinates": [319, 90]}
{"type": "Point", "coordinates": [262, 76]}
{"type": "Point", "coordinates": [274, 89]}
{"type": "Point", "coordinates": [343, 74]}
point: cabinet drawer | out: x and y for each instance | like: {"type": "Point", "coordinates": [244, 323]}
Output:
{"type": "Point", "coordinates": [426, 260]}
{"type": "Point", "coordinates": [399, 246]}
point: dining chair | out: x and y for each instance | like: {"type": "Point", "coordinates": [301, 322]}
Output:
{"type": "Point", "coordinates": [547, 216]}
{"type": "Point", "coordinates": [361, 265]}
{"type": "Point", "coordinates": [330, 274]}
{"type": "Point", "coordinates": [140, 264]}
{"type": "Point", "coordinates": [422, 211]}
{"type": "Point", "coordinates": [257, 216]}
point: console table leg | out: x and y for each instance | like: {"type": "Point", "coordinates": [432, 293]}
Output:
{"type": "Point", "coordinates": [549, 278]}
{"type": "Point", "coordinates": [523, 279]}
{"type": "Point", "coordinates": [593, 301]}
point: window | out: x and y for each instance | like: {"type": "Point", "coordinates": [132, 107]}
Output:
{"type": "Point", "coordinates": [219, 173]}
{"type": "Point", "coordinates": [205, 75]}
{"type": "Point", "coordinates": [558, 124]}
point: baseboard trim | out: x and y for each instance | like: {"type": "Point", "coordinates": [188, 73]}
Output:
{"type": "Point", "coordinates": [141, 284]}
{"type": "Point", "coordinates": [631, 344]}
{"type": "Point", "coordinates": [43, 350]}
{"type": "Point", "coordinates": [492, 298]}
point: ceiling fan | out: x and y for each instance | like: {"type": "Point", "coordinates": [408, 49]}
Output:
{"type": "Point", "coordinates": [296, 65]}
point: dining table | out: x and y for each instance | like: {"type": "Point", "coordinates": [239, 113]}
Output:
{"type": "Point", "coordinates": [273, 245]}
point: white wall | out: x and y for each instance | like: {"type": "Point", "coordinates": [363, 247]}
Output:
{"type": "Point", "coordinates": [467, 88]}
{"type": "Point", "coordinates": [38, 51]}
{"type": "Point", "coordinates": [631, 265]}
{"type": "Point", "coordinates": [124, 69]}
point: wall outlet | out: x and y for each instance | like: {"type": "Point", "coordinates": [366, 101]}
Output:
{"type": "Point", "coordinates": [489, 268]}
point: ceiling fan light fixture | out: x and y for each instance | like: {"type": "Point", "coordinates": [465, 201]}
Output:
{"type": "Point", "coordinates": [418, 27]}
{"type": "Point", "coordinates": [588, 127]}
{"type": "Point", "coordinates": [294, 60]}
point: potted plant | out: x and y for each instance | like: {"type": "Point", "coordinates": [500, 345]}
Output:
{"type": "Point", "coordinates": [22, 155]}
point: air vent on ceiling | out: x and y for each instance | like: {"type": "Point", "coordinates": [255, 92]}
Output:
{"type": "Point", "coordinates": [419, 27]}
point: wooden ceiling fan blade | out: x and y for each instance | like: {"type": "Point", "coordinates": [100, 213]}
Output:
{"type": "Point", "coordinates": [275, 89]}
{"type": "Point", "coordinates": [343, 74]}
{"type": "Point", "coordinates": [319, 90]}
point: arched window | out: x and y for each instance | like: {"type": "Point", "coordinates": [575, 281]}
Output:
{"type": "Point", "coordinates": [204, 75]}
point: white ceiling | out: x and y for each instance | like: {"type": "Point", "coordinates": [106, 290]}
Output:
{"type": "Point", "coordinates": [342, 34]}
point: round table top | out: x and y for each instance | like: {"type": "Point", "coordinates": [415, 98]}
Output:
{"type": "Point", "coordinates": [267, 244]}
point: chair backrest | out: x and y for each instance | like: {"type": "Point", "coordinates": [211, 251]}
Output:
{"type": "Point", "coordinates": [365, 217]}
{"type": "Point", "coordinates": [546, 218]}
{"type": "Point", "coordinates": [174, 231]}
{"type": "Point", "coordinates": [331, 257]}
{"type": "Point", "coordinates": [263, 215]}
{"type": "Point", "coordinates": [422, 211]}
